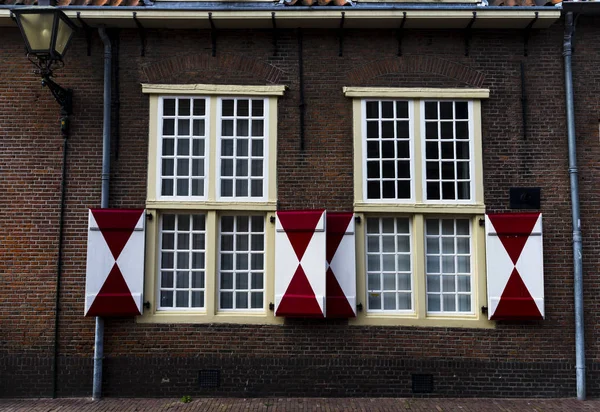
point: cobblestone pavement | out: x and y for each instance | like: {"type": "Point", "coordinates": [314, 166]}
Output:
{"type": "Point", "coordinates": [299, 404]}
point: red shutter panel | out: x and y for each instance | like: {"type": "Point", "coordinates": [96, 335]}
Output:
{"type": "Point", "coordinates": [515, 271]}
{"type": "Point", "coordinates": [115, 262]}
{"type": "Point", "coordinates": [341, 266]}
{"type": "Point", "coordinates": [300, 264]}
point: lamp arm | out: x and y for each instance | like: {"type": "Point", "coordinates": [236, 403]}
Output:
{"type": "Point", "coordinates": [63, 96]}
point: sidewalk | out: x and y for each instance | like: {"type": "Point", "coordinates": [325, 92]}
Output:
{"type": "Point", "coordinates": [299, 404]}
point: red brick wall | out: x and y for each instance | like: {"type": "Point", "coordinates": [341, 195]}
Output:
{"type": "Point", "coordinates": [301, 357]}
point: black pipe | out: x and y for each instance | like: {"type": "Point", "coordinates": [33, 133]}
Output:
{"type": "Point", "coordinates": [302, 106]}
{"type": "Point", "coordinates": [523, 101]}
{"type": "Point", "coordinates": [59, 262]}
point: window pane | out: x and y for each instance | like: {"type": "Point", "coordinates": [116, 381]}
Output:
{"type": "Point", "coordinates": [168, 107]}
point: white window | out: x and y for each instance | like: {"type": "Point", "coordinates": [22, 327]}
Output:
{"type": "Point", "coordinates": [212, 189]}
{"type": "Point", "coordinates": [418, 186]}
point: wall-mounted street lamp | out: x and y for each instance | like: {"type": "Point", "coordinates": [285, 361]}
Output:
{"type": "Point", "coordinates": [47, 32]}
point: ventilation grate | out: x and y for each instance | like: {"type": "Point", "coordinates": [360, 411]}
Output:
{"type": "Point", "coordinates": [209, 378]}
{"type": "Point", "coordinates": [422, 383]}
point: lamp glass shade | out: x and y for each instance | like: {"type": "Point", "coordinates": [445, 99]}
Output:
{"type": "Point", "coordinates": [37, 30]}
{"type": "Point", "coordinates": [47, 31]}
{"type": "Point", "coordinates": [63, 35]}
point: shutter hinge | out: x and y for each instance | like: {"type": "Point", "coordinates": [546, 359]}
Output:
{"type": "Point", "coordinates": [482, 222]}
{"type": "Point", "coordinates": [484, 310]}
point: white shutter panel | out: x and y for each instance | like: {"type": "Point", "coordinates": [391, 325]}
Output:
{"type": "Point", "coordinates": [341, 266]}
{"type": "Point", "coordinates": [515, 270]}
{"type": "Point", "coordinates": [114, 280]}
{"type": "Point", "coordinates": [300, 263]}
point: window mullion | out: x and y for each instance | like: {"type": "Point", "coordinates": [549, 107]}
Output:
{"type": "Point", "coordinates": [418, 261]}
{"type": "Point", "coordinates": [211, 264]}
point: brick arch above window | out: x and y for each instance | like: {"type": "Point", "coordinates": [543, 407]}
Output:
{"type": "Point", "coordinates": [170, 68]}
{"type": "Point", "coordinates": [417, 65]}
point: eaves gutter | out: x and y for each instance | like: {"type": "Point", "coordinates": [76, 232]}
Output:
{"type": "Point", "coordinates": [363, 16]}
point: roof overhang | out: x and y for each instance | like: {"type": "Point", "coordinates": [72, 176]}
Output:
{"type": "Point", "coordinates": [305, 17]}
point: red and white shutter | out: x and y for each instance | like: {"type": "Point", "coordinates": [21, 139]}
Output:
{"type": "Point", "coordinates": [341, 267]}
{"type": "Point", "coordinates": [115, 262]}
{"type": "Point", "coordinates": [515, 271]}
{"type": "Point", "coordinates": [300, 263]}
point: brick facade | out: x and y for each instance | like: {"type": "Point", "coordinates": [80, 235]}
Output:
{"type": "Point", "coordinates": [300, 358]}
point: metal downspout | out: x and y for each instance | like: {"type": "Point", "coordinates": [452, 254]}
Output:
{"type": "Point", "coordinates": [577, 255]}
{"type": "Point", "coordinates": [99, 338]}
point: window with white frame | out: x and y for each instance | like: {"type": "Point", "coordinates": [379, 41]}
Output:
{"type": "Point", "coordinates": [418, 184]}
{"type": "Point", "coordinates": [211, 184]}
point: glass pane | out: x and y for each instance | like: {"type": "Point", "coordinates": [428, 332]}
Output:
{"type": "Point", "coordinates": [433, 191]}
{"type": "Point", "coordinates": [432, 245]}
{"type": "Point", "coordinates": [256, 188]}
{"type": "Point", "coordinates": [446, 110]}
{"type": "Point", "coordinates": [447, 245]}
{"type": "Point", "coordinates": [227, 107]}
{"type": "Point", "coordinates": [372, 131]}
{"type": "Point", "coordinates": [372, 225]}
{"type": "Point", "coordinates": [462, 150]}
{"type": "Point", "coordinates": [168, 241]}
{"type": "Point", "coordinates": [257, 147]}
{"type": "Point", "coordinates": [464, 283]}
{"type": "Point", "coordinates": [168, 222]}
{"type": "Point", "coordinates": [227, 242]}
{"type": "Point", "coordinates": [447, 227]}
{"type": "Point", "coordinates": [388, 244]}
{"type": "Point", "coordinates": [199, 107]}
{"type": "Point", "coordinates": [227, 128]}
{"type": "Point", "coordinates": [258, 128]}
{"type": "Point", "coordinates": [431, 130]}
{"type": "Point", "coordinates": [197, 299]}
{"type": "Point", "coordinates": [431, 151]}
{"type": "Point", "coordinates": [464, 303]}
{"type": "Point", "coordinates": [387, 131]}
{"type": "Point", "coordinates": [198, 222]}
{"type": "Point", "coordinates": [226, 188]}
{"type": "Point", "coordinates": [241, 281]}
{"type": "Point", "coordinates": [389, 301]}
{"type": "Point", "coordinates": [431, 110]}
{"type": "Point", "coordinates": [449, 303]}
{"type": "Point", "coordinates": [433, 283]}
{"type": "Point", "coordinates": [374, 301]}
{"type": "Point", "coordinates": [241, 242]}
{"type": "Point", "coordinates": [257, 281]}
{"type": "Point", "coordinates": [389, 281]}
{"type": "Point", "coordinates": [462, 227]}
{"type": "Point", "coordinates": [433, 264]}
{"type": "Point", "coordinates": [448, 284]}
{"type": "Point", "coordinates": [226, 262]}
{"type": "Point", "coordinates": [256, 261]}
{"type": "Point", "coordinates": [226, 167]}
{"type": "Point", "coordinates": [372, 244]}
{"type": "Point", "coordinates": [243, 107]}
{"type": "Point", "coordinates": [242, 223]}
{"type": "Point", "coordinates": [241, 167]}
{"type": "Point", "coordinates": [184, 107]}
{"type": "Point", "coordinates": [448, 264]}
{"type": "Point", "coordinates": [462, 245]}
{"type": "Point", "coordinates": [403, 282]}
{"type": "Point", "coordinates": [241, 261]}
{"type": "Point", "coordinates": [447, 130]}
{"type": "Point", "coordinates": [257, 223]}
{"type": "Point", "coordinates": [226, 280]}
{"type": "Point", "coordinates": [464, 264]}
{"type": "Point", "coordinates": [389, 262]}
{"type": "Point", "coordinates": [197, 279]}
{"type": "Point", "coordinates": [241, 188]}
{"type": "Point", "coordinates": [373, 263]}
{"type": "Point", "coordinates": [432, 226]}
{"type": "Point", "coordinates": [257, 168]}
{"type": "Point", "coordinates": [433, 303]}
{"type": "Point", "coordinates": [402, 131]}
{"type": "Point", "coordinates": [403, 189]}
{"type": "Point", "coordinates": [226, 300]}
{"type": "Point", "coordinates": [182, 299]}
{"type": "Point", "coordinates": [183, 280]}
{"type": "Point", "coordinates": [166, 299]}
{"type": "Point", "coordinates": [183, 127]}
{"type": "Point", "coordinates": [183, 241]}
{"type": "Point", "coordinates": [372, 110]}
{"type": "Point", "coordinates": [167, 260]}
{"type": "Point", "coordinates": [242, 127]}
{"type": "Point", "coordinates": [168, 127]}
{"type": "Point", "coordinates": [403, 244]}
{"type": "Point", "coordinates": [183, 167]}
{"type": "Point", "coordinates": [258, 107]}
{"type": "Point", "coordinates": [169, 107]}
{"type": "Point", "coordinates": [198, 260]}
{"type": "Point", "coordinates": [258, 242]}
{"type": "Point", "coordinates": [461, 110]}
{"type": "Point", "coordinates": [166, 279]}
{"type": "Point", "coordinates": [198, 167]}
{"type": "Point", "coordinates": [168, 147]}
{"type": "Point", "coordinates": [257, 300]}
{"type": "Point", "coordinates": [402, 225]}
{"type": "Point", "coordinates": [387, 110]}
{"type": "Point", "coordinates": [241, 300]}
{"type": "Point", "coordinates": [227, 147]}
{"type": "Point", "coordinates": [388, 169]}
{"type": "Point", "coordinates": [462, 130]}
{"type": "Point", "coordinates": [373, 281]}
{"type": "Point", "coordinates": [403, 263]}
{"type": "Point", "coordinates": [168, 167]}
{"type": "Point", "coordinates": [183, 222]}
{"type": "Point", "coordinates": [183, 260]}
{"type": "Point", "coordinates": [402, 109]}
{"type": "Point", "coordinates": [404, 302]}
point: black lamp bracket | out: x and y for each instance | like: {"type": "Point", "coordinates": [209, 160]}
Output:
{"type": "Point", "coordinates": [63, 96]}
